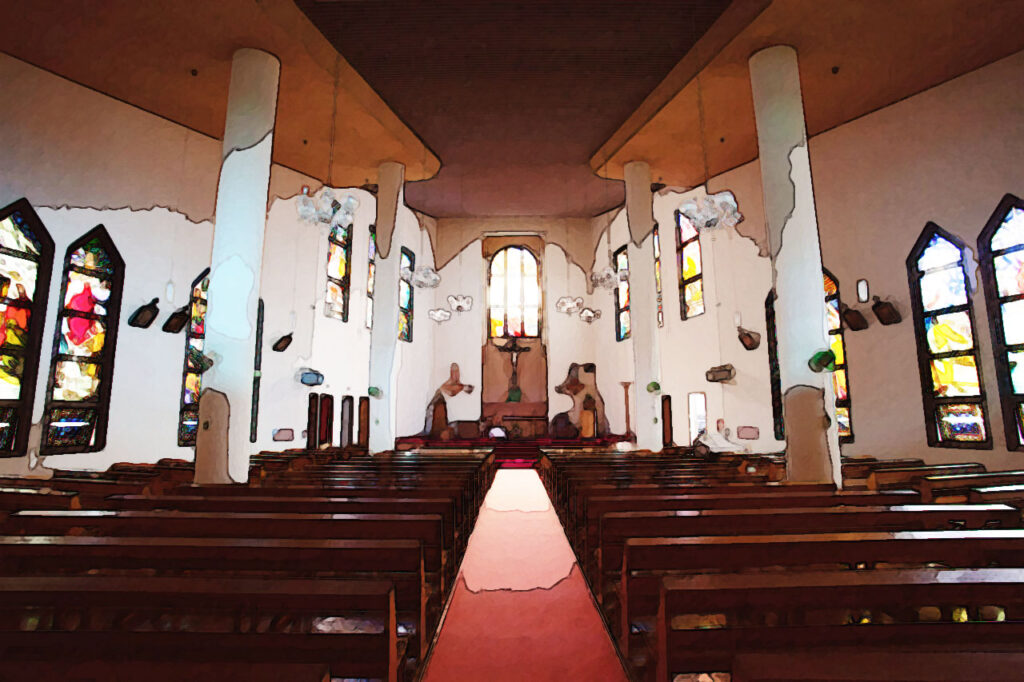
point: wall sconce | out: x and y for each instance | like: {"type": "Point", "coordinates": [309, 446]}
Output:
{"type": "Point", "coordinates": [750, 340]}
{"type": "Point", "coordinates": [374, 392]}
{"type": "Point", "coordinates": [821, 361]}
{"type": "Point", "coordinates": [282, 343]}
{"type": "Point", "coordinates": [144, 316]}
{"type": "Point", "coordinates": [863, 291]}
{"type": "Point", "coordinates": [176, 322]}
{"type": "Point", "coordinates": [720, 373]}
{"type": "Point", "coordinates": [310, 377]}
{"type": "Point", "coordinates": [854, 319]}
{"type": "Point", "coordinates": [886, 312]}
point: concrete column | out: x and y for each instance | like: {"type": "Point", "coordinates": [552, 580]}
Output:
{"type": "Point", "coordinates": [812, 448]}
{"type": "Point", "coordinates": [384, 335]}
{"type": "Point", "coordinates": [643, 304]}
{"type": "Point", "coordinates": [238, 256]}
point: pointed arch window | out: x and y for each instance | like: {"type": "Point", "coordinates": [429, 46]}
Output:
{"type": "Point", "coordinates": [78, 392]}
{"type": "Point", "coordinates": [623, 321]}
{"type": "Point", "coordinates": [514, 293]}
{"type": "Point", "coordinates": [339, 271]}
{"type": "Point", "coordinates": [406, 300]}
{"type": "Point", "coordinates": [192, 374]}
{"type": "Point", "coordinates": [26, 259]}
{"type": "Point", "coordinates": [1001, 250]}
{"type": "Point", "coordinates": [951, 382]}
{"type": "Point", "coordinates": [775, 376]}
{"type": "Point", "coordinates": [691, 270]}
{"type": "Point", "coordinates": [371, 274]}
{"type": "Point", "coordinates": [837, 344]}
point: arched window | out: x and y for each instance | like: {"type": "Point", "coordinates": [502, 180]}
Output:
{"type": "Point", "coordinates": [775, 377]}
{"type": "Point", "coordinates": [622, 318]}
{"type": "Point", "coordinates": [78, 393]}
{"type": "Point", "coordinates": [1001, 249]}
{"type": "Point", "coordinates": [691, 270]}
{"type": "Point", "coordinates": [951, 385]}
{"type": "Point", "coordinates": [837, 344]}
{"type": "Point", "coordinates": [26, 259]}
{"type": "Point", "coordinates": [514, 293]}
{"type": "Point", "coordinates": [371, 274]}
{"type": "Point", "coordinates": [192, 381]}
{"type": "Point", "coordinates": [339, 271]}
{"type": "Point", "coordinates": [406, 300]}
{"type": "Point", "coordinates": [656, 243]}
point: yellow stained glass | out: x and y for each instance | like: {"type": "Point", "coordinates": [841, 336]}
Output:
{"type": "Point", "coordinates": [693, 297]}
{"type": "Point", "coordinates": [955, 376]}
{"type": "Point", "coordinates": [836, 344]}
{"type": "Point", "coordinates": [839, 384]}
{"type": "Point", "coordinates": [337, 261]}
{"type": "Point", "coordinates": [76, 380]}
{"type": "Point", "coordinates": [949, 332]}
{"type": "Point", "coordinates": [830, 286]}
{"type": "Point", "coordinates": [11, 369]}
{"type": "Point", "coordinates": [497, 321]}
{"type": "Point", "coordinates": [691, 260]}
{"type": "Point", "coordinates": [843, 422]}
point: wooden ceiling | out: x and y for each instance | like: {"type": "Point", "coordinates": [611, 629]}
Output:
{"type": "Point", "coordinates": [173, 58]}
{"type": "Point", "coordinates": [856, 56]}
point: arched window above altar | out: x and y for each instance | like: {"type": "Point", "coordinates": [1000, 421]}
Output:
{"type": "Point", "coordinates": [514, 293]}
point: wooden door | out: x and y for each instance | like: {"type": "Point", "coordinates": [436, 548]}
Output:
{"type": "Point", "coordinates": [313, 422]}
{"type": "Point", "coordinates": [326, 425]}
{"type": "Point", "coordinates": [364, 422]}
{"type": "Point", "coordinates": [346, 421]}
{"type": "Point", "coordinates": [666, 420]}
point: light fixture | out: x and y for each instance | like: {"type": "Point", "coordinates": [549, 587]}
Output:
{"type": "Point", "coordinates": [588, 315]}
{"type": "Point", "coordinates": [712, 211]}
{"type": "Point", "coordinates": [853, 319]}
{"type": "Point", "coordinates": [607, 278]}
{"type": "Point", "coordinates": [439, 315]}
{"type": "Point", "coordinates": [460, 303]}
{"type": "Point", "coordinates": [176, 322]}
{"type": "Point", "coordinates": [750, 340]}
{"type": "Point", "coordinates": [886, 312]}
{"type": "Point", "coordinates": [569, 305]}
{"type": "Point", "coordinates": [144, 316]}
{"type": "Point", "coordinates": [282, 343]}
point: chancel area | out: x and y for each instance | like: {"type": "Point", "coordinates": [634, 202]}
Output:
{"type": "Point", "coordinates": [460, 341]}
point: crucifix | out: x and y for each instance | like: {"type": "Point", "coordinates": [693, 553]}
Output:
{"type": "Point", "coordinates": [514, 349]}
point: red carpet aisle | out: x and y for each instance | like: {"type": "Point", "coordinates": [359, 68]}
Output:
{"type": "Point", "coordinates": [521, 609]}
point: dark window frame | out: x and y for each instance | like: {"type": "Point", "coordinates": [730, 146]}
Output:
{"type": "Point", "coordinates": [845, 366]}
{"type": "Point", "coordinates": [930, 401]}
{"type": "Point", "coordinates": [371, 275]}
{"type": "Point", "coordinates": [680, 245]}
{"type": "Point", "coordinates": [412, 295]}
{"type": "Point", "coordinates": [619, 308]}
{"type": "Point", "coordinates": [183, 409]}
{"type": "Point", "coordinates": [540, 306]}
{"type": "Point", "coordinates": [774, 372]}
{"type": "Point", "coordinates": [345, 283]}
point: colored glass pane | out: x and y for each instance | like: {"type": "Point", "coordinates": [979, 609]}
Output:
{"type": "Point", "coordinates": [370, 279]}
{"type": "Point", "coordinates": [1009, 269]}
{"type": "Point", "coordinates": [70, 427]}
{"type": "Point", "coordinates": [939, 252]}
{"type": "Point", "coordinates": [955, 376]}
{"type": "Point", "coordinates": [197, 319]}
{"type": "Point", "coordinates": [369, 313]}
{"type": "Point", "coordinates": [943, 289]}
{"type": "Point", "coordinates": [8, 427]}
{"type": "Point", "coordinates": [1011, 232]}
{"type": "Point", "coordinates": [657, 276]}
{"type": "Point", "coordinates": [832, 320]}
{"type": "Point", "coordinates": [11, 369]}
{"type": "Point", "coordinates": [75, 380]}
{"type": "Point", "coordinates": [188, 427]}
{"type": "Point", "coordinates": [92, 256]}
{"type": "Point", "coordinates": [200, 290]}
{"type": "Point", "coordinates": [656, 240]}
{"type": "Point", "coordinates": [621, 261]}
{"type": "Point", "coordinates": [623, 294]}
{"type": "Point", "coordinates": [531, 321]}
{"type": "Point", "coordinates": [949, 332]}
{"type": "Point", "coordinates": [960, 422]}
{"type": "Point", "coordinates": [404, 295]}
{"type": "Point", "coordinates": [693, 295]}
{"type": "Point", "coordinates": [17, 278]}
{"type": "Point", "coordinates": [193, 386]}
{"type": "Point", "coordinates": [497, 321]}
{"type": "Point", "coordinates": [405, 262]}
{"type": "Point", "coordinates": [404, 326]}
{"type": "Point", "coordinates": [686, 229]}
{"type": "Point", "coordinates": [839, 384]}
{"type": "Point", "coordinates": [340, 233]}
{"type": "Point", "coordinates": [1015, 361]}
{"type": "Point", "coordinates": [17, 237]}
{"type": "Point", "coordinates": [515, 321]}
{"type": "Point", "coordinates": [836, 346]}
{"type": "Point", "coordinates": [830, 286]}
{"type": "Point", "coordinates": [334, 304]}
{"type": "Point", "coordinates": [15, 325]}
{"type": "Point", "coordinates": [843, 422]}
{"type": "Point", "coordinates": [624, 328]}
{"type": "Point", "coordinates": [337, 261]}
{"type": "Point", "coordinates": [194, 354]}
{"type": "Point", "coordinates": [81, 336]}
{"type": "Point", "coordinates": [1013, 322]}
{"type": "Point", "coordinates": [373, 244]}
{"type": "Point", "coordinates": [691, 260]}
{"type": "Point", "coordinates": [86, 294]}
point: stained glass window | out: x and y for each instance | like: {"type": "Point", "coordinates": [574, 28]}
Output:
{"type": "Point", "coordinates": [26, 257]}
{"type": "Point", "coordinates": [837, 344]}
{"type": "Point", "coordinates": [339, 271]}
{"type": "Point", "coordinates": [371, 273]}
{"type": "Point", "coordinates": [951, 382]}
{"type": "Point", "coordinates": [656, 239]}
{"type": "Point", "coordinates": [514, 294]}
{"type": "Point", "coordinates": [623, 329]}
{"type": "Point", "coordinates": [691, 271]}
{"type": "Point", "coordinates": [1001, 249]}
{"type": "Point", "coordinates": [192, 380]}
{"type": "Point", "coordinates": [778, 423]}
{"type": "Point", "coordinates": [78, 393]}
{"type": "Point", "coordinates": [406, 300]}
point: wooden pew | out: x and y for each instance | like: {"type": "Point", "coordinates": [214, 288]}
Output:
{"type": "Point", "coordinates": [647, 560]}
{"type": "Point", "coordinates": [957, 487]}
{"type": "Point", "coordinates": [857, 470]}
{"type": "Point", "coordinates": [14, 499]}
{"type": "Point", "coordinates": [283, 621]}
{"type": "Point", "coordinates": [161, 671]}
{"type": "Point", "coordinates": [1010, 494]}
{"type": "Point", "coordinates": [882, 663]}
{"type": "Point", "coordinates": [903, 477]}
{"type": "Point", "coordinates": [780, 611]}
{"type": "Point", "coordinates": [616, 528]}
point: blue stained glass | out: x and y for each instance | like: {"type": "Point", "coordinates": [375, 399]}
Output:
{"type": "Point", "coordinates": [943, 288]}
{"type": "Point", "coordinates": [939, 252]}
{"type": "Point", "coordinates": [1009, 269]}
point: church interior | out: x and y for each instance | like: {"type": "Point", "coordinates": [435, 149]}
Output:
{"type": "Point", "coordinates": [504, 341]}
